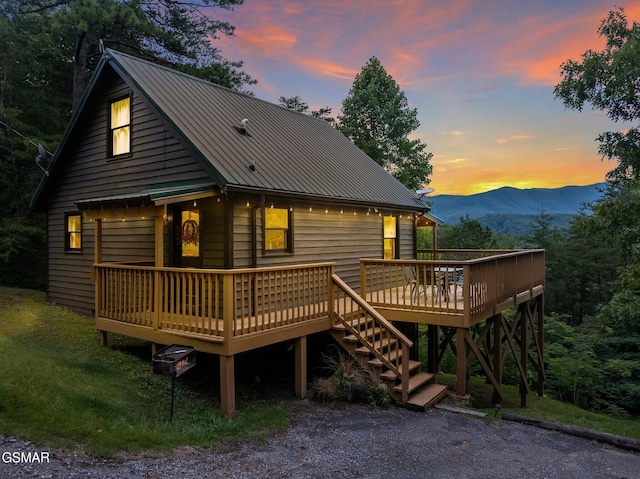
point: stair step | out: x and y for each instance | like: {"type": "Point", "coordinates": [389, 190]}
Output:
{"type": "Point", "coordinates": [378, 345]}
{"type": "Point", "coordinates": [376, 363]}
{"type": "Point", "coordinates": [354, 323]}
{"type": "Point", "coordinates": [428, 396]}
{"type": "Point", "coordinates": [416, 381]}
{"type": "Point", "coordinates": [367, 333]}
{"type": "Point", "coordinates": [390, 375]}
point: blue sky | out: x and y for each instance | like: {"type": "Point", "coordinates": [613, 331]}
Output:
{"type": "Point", "coordinates": [480, 73]}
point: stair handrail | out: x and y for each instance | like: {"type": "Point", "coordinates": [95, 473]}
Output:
{"type": "Point", "coordinates": [406, 343]}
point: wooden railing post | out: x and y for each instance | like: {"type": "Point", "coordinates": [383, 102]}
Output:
{"type": "Point", "coordinates": [331, 305]}
{"type": "Point", "coordinates": [363, 279]}
{"type": "Point", "coordinates": [228, 309]}
{"type": "Point", "coordinates": [466, 294]}
{"type": "Point", "coordinates": [405, 372]}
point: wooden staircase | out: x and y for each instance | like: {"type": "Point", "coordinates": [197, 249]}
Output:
{"type": "Point", "coordinates": [375, 343]}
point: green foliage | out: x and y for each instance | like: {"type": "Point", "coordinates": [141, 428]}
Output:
{"type": "Point", "coordinates": [593, 367]}
{"type": "Point", "coordinates": [468, 234]}
{"type": "Point", "coordinates": [175, 33]}
{"type": "Point", "coordinates": [295, 103]}
{"type": "Point", "coordinates": [62, 389]}
{"type": "Point", "coordinates": [377, 118]}
{"type": "Point", "coordinates": [608, 79]}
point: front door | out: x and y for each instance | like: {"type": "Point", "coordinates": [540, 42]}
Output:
{"type": "Point", "coordinates": [187, 244]}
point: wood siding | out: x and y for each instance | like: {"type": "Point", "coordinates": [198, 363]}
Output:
{"type": "Point", "coordinates": [319, 236]}
{"type": "Point", "coordinates": [157, 156]}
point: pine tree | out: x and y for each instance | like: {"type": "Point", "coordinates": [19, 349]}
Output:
{"type": "Point", "coordinates": [377, 118]}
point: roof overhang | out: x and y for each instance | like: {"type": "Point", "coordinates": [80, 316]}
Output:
{"type": "Point", "coordinates": [148, 202]}
{"type": "Point", "coordinates": [427, 219]}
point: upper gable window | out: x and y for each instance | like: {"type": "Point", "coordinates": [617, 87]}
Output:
{"type": "Point", "coordinates": [120, 129]}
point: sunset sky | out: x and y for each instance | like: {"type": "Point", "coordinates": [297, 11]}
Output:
{"type": "Point", "coordinates": [480, 73]}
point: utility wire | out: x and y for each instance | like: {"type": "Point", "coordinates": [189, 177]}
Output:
{"type": "Point", "coordinates": [21, 135]}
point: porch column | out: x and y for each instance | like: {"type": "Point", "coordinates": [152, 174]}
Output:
{"type": "Point", "coordinates": [462, 367]}
{"type": "Point", "coordinates": [157, 280]}
{"type": "Point", "coordinates": [301, 367]}
{"type": "Point", "coordinates": [227, 386]}
{"type": "Point", "coordinates": [97, 259]}
{"type": "Point", "coordinates": [159, 242]}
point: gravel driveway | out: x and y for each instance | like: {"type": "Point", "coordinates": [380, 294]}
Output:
{"type": "Point", "coordinates": [356, 442]}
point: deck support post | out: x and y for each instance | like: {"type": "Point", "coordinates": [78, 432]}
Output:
{"type": "Point", "coordinates": [525, 315]}
{"type": "Point", "coordinates": [497, 354]}
{"type": "Point", "coordinates": [227, 386]}
{"type": "Point", "coordinates": [103, 339]}
{"type": "Point", "coordinates": [462, 366]}
{"type": "Point", "coordinates": [433, 348]}
{"type": "Point", "coordinates": [540, 332]}
{"type": "Point", "coordinates": [301, 367]}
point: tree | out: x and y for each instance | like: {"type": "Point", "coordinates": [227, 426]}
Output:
{"type": "Point", "coordinates": [377, 118]}
{"type": "Point", "coordinates": [177, 33]}
{"type": "Point", "coordinates": [34, 107]}
{"type": "Point", "coordinates": [468, 234]}
{"type": "Point", "coordinates": [610, 81]}
{"type": "Point", "coordinates": [295, 103]}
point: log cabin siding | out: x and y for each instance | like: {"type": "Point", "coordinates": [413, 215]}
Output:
{"type": "Point", "coordinates": [157, 156]}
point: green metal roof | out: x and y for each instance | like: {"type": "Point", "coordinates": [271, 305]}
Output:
{"type": "Point", "coordinates": [283, 152]}
{"type": "Point", "coordinates": [149, 195]}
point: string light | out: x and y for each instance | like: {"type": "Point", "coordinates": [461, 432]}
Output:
{"type": "Point", "coordinates": [248, 204]}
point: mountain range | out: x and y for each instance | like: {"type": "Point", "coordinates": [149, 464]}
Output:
{"type": "Point", "coordinates": [497, 205]}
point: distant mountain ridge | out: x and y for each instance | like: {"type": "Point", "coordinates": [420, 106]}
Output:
{"type": "Point", "coordinates": [513, 201]}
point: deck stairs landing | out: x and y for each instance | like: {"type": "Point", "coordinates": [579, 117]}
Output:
{"type": "Point", "coordinates": [372, 341]}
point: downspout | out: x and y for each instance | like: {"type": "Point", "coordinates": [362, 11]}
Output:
{"type": "Point", "coordinates": [254, 233]}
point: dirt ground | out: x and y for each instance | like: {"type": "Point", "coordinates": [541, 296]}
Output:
{"type": "Point", "coordinates": [357, 442]}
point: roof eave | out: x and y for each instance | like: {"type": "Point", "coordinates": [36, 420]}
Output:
{"type": "Point", "coordinates": [322, 198]}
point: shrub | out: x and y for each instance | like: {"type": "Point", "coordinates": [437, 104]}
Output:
{"type": "Point", "coordinates": [348, 382]}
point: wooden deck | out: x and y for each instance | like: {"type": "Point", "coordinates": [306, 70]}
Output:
{"type": "Point", "coordinates": [226, 312]}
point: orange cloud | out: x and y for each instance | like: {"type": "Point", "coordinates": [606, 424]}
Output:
{"type": "Point", "coordinates": [501, 141]}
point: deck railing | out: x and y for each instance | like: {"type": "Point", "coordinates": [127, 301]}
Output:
{"type": "Point", "coordinates": [475, 286]}
{"type": "Point", "coordinates": [212, 302]}
{"type": "Point", "coordinates": [226, 304]}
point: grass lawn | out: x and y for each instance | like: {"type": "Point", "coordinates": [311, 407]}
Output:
{"type": "Point", "coordinates": [544, 408]}
{"type": "Point", "coordinates": [62, 389]}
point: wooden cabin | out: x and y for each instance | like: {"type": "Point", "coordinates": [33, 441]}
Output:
{"type": "Point", "coordinates": [181, 212]}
